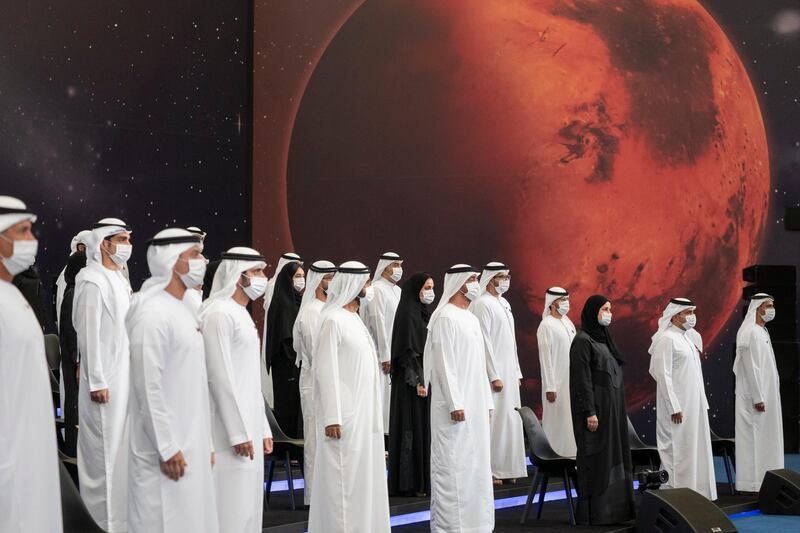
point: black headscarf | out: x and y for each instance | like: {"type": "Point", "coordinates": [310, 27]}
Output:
{"type": "Point", "coordinates": [411, 320]}
{"type": "Point", "coordinates": [592, 327]}
{"type": "Point", "coordinates": [76, 263]}
{"type": "Point", "coordinates": [282, 312]}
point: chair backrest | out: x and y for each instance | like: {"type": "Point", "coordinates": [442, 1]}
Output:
{"type": "Point", "coordinates": [540, 449]}
{"type": "Point", "coordinates": [76, 516]}
{"type": "Point", "coordinates": [634, 441]}
{"type": "Point", "coordinates": [52, 349]}
{"type": "Point", "coordinates": [277, 433]}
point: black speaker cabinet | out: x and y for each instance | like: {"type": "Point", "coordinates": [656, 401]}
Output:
{"type": "Point", "coordinates": [680, 511]}
{"type": "Point", "coordinates": [780, 492]}
{"type": "Point", "coordinates": [771, 274]}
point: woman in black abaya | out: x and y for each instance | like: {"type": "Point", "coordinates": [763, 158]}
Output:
{"type": "Point", "coordinates": [280, 354]}
{"type": "Point", "coordinates": [409, 418]}
{"type": "Point", "coordinates": [599, 420]}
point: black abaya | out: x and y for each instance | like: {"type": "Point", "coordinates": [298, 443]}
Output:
{"type": "Point", "coordinates": [280, 355]}
{"type": "Point", "coordinates": [69, 355]}
{"type": "Point", "coordinates": [409, 418]}
{"type": "Point", "coordinates": [605, 481]}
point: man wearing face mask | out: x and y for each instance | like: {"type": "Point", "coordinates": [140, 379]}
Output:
{"type": "Point", "coordinates": [454, 364]}
{"type": "Point", "coordinates": [101, 300]}
{"type": "Point", "coordinates": [378, 315]}
{"type": "Point", "coordinates": [239, 423]}
{"type": "Point", "coordinates": [30, 498]}
{"type": "Point", "coordinates": [682, 431]}
{"type": "Point", "coordinates": [555, 335]}
{"type": "Point", "coordinates": [759, 421]}
{"type": "Point", "coordinates": [502, 366]}
{"type": "Point", "coordinates": [194, 298]}
{"type": "Point", "coordinates": [170, 484]}
{"type": "Point", "coordinates": [304, 335]}
{"type": "Point", "coordinates": [350, 494]}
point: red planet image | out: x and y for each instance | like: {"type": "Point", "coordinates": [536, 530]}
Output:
{"type": "Point", "coordinates": [605, 146]}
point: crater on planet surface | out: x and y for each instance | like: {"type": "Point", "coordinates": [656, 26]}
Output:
{"type": "Point", "coordinates": [663, 53]}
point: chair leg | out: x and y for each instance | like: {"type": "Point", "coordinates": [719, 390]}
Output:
{"type": "Point", "coordinates": [290, 480]}
{"type": "Point", "coordinates": [726, 460]}
{"type": "Point", "coordinates": [270, 474]}
{"type": "Point", "coordinates": [542, 492]}
{"type": "Point", "coordinates": [568, 490]}
{"type": "Point", "coordinates": [573, 475]}
{"type": "Point", "coordinates": [531, 492]}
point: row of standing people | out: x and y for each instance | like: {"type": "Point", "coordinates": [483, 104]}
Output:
{"type": "Point", "coordinates": [175, 262]}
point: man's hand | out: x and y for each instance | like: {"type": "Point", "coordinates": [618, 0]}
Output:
{"type": "Point", "coordinates": [387, 367]}
{"type": "Point", "coordinates": [174, 467]}
{"type": "Point", "coordinates": [551, 396]}
{"type": "Point", "coordinates": [497, 385]}
{"type": "Point", "coordinates": [78, 374]}
{"type": "Point", "coordinates": [334, 431]}
{"type": "Point", "coordinates": [677, 418]}
{"type": "Point", "coordinates": [267, 446]}
{"type": "Point", "coordinates": [760, 407]}
{"type": "Point", "coordinates": [213, 459]}
{"type": "Point", "coordinates": [592, 422]}
{"type": "Point", "coordinates": [100, 396]}
{"type": "Point", "coordinates": [244, 449]}
{"type": "Point", "coordinates": [457, 416]}
{"type": "Point", "coordinates": [421, 391]}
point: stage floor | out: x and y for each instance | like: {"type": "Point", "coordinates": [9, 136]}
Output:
{"type": "Point", "coordinates": [410, 515]}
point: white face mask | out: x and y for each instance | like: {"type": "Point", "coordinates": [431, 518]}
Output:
{"type": "Point", "coordinates": [123, 253]}
{"type": "Point", "coordinates": [691, 322]}
{"type": "Point", "coordinates": [299, 284]}
{"type": "Point", "coordinates": [369, 293]}
{"type": "Point", "coordinates": [769, 314]}
{"type": "Point", "coordinates": [397, 274]}
{"type": "Point", "coordinates": [197, 271]}
{"type": "Point", "coordinates": [473, 288]}
{"type": "Point", "coordinates": [257, 287]}
{"type": "Point", "coordinates": [605, 319]}
{"type": "Point", "coordinates": [563, 307]}
{"type": "Point", "coordinates": [503, 286]}
{"type": "Point", "coordinates": [23, 256]}
{"type": "Point", "coordinates": [427, 296]}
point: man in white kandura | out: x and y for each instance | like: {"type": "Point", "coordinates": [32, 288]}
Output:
{"type": "Point", "coordinates": [759, 422]}
{"type": "Point", "coordinates": [170, 486]}
{"type": "Point", "coordinates": [350, 493]}
{"type": "Point", "coordinates": [101, 301]}
{"type": "Point", "coordinates": [267, 388]}
{"type": "Point", "coordinates": [502, 366]}
{"type": "Point", "coordinates": [454, 364]}
{"type": "Point", "coordinates": [304, 334]}
{"type": "Point", "coordinates": [239, 422]}
{"type": "Point", "coordinates": [555, 335]}
{"type": "Point", "coordinates": [682, 431]}
{"type": "Point", "coordinates": [378, 315]}
{"type": "Point", "coordinates": [30, 497]}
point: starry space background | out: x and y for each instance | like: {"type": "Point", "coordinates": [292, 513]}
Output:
{"type": "Point", "coordinates": [142, 110]}
{"type": "Point", "coordinates": [136, 110]}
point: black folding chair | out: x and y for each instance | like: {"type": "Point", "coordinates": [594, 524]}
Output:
{"type": "Point", "coordinates": [642, 455]}
{"type": "Point", "coordinates": [548, 464]}
{"type": "Point", "coordinates": [52, 351]}
{"type": "Point", "coordinates": [76, 516]}
{"type": "Point", "coordinates": [725, 448]}
{"type": "Point", "coordinates": [282, 450]}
